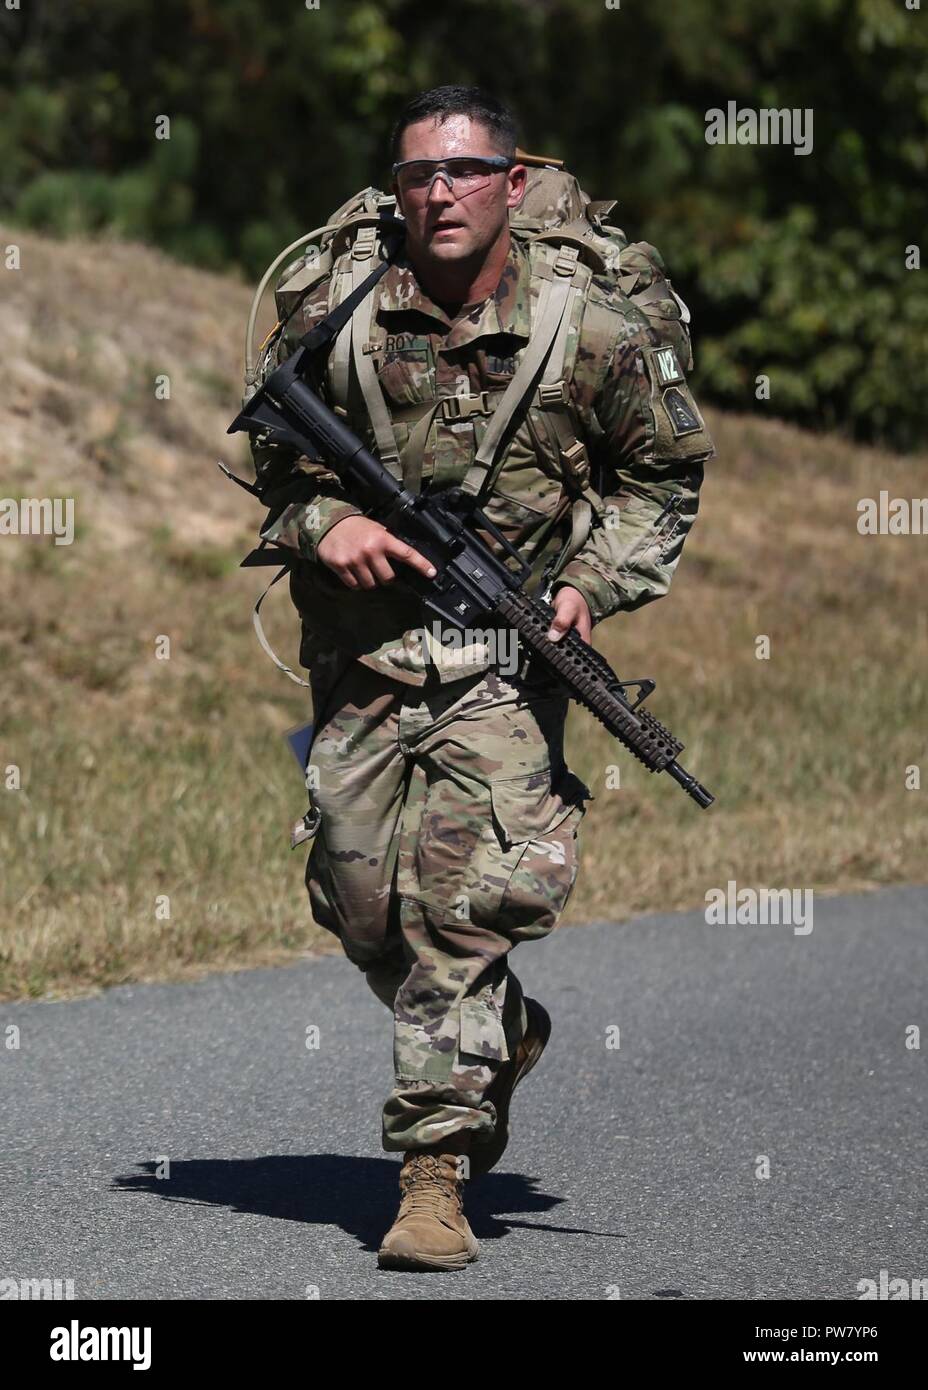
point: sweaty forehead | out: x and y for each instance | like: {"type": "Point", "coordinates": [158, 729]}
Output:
{"type": "Point", "coordinates": [431, 139]}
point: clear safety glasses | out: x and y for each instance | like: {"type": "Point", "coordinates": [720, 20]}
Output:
{"type": "Point", "coordinates": [463, 174]}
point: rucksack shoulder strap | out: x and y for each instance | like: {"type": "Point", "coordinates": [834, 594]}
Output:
{"type": "Point", "coordinates": [578, 233]}
{"type": "Point", "coordinates": [562, 278]}
{"type": "Point", "coordinates": [351, 270]}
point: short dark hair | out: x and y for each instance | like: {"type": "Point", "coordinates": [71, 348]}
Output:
{"type": "Point", "coordinates": [474, 102]}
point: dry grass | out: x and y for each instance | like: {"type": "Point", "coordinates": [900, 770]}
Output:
{"type": "Point", "coordinates": [806, 751]}
{"type": "Point", "coordinates": [143, 778]}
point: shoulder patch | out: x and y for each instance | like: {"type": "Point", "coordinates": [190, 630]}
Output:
{"type": "Point", "coordinates": [682, 418]}
{"type": "Point", "coordinates": [668, 368]}
{"type": "Point", "coordinates": [679, 429]}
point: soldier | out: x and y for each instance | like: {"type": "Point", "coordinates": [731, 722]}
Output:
{"type": "Point", "coordinates": [449, 820]}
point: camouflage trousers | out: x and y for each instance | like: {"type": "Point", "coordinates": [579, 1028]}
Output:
{"type": "Point", "coordinates": [449, 833]}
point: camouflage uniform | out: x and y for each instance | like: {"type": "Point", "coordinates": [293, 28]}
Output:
{"type": "Point", "coordinates": [449, 819]}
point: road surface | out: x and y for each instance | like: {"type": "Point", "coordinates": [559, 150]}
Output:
{"type": "Point", "coordinates": [634, 1172]}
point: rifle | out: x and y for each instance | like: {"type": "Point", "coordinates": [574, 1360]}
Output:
{"type": "Point", "coordinates": [472, 585]}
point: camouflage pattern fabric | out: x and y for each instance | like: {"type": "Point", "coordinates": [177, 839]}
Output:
{"type": "Point", "coordinates": [449, 834]}
{"type": "Point", "coordinates": [449, 821]}
{"type": "Point", "coordinates": [645, 436]}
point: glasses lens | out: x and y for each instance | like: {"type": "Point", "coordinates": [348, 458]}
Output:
{"type": "Point", "coordinates": [417, 175]}
{"type": "Point", "coordinates": [467, 174]}
{"type": "Point", "coordinates": [470, 172]}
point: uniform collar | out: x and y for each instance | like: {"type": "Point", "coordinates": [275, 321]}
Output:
{"type": "Point", "coordinates": [506, 310]}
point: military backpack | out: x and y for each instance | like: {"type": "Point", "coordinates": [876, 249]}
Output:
{"type": "Point", "coordinates": [570, 240]}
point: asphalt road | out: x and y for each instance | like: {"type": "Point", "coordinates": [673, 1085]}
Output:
{"type": "Point", "coordinates": [631, 1172]}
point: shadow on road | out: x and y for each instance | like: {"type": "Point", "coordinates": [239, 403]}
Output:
{"type": "Point", "coordinates": [359, 1195]}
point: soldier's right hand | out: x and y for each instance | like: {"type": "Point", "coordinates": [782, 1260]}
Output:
{"type": "Point", "coordinates": [359, 550]}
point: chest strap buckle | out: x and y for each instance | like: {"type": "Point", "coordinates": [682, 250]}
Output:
{"type": "Point", "coordinates": [460, 407]}
{"type": "Point", "coordinates": [553, 393]}
{"type": "Point", "coordinates": [577, 464]}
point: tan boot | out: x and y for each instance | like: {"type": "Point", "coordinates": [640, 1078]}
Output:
{"type": "Point", "coordinates": [431, 1230]}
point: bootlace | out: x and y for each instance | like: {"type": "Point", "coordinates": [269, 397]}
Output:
{"type": "Point", "coordinates": [427, 1186]}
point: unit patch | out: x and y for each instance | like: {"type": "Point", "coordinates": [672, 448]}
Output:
{"type": "Point", "coordinates": [679, 412]}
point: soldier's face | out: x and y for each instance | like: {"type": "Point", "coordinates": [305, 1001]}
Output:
{"type": "Point", "coordinates": [440, 223]}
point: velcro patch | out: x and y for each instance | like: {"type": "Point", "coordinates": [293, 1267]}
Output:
{"type": "Point", "coordinates": [666, 365]}
{"type": "Point", "coordinates": [679, 412]}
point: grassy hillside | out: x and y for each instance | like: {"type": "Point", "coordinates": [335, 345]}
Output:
{"type": "Point", "coordinates": [144, 777]}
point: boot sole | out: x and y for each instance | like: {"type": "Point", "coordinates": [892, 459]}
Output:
{"type": "Point", "coordinates": [488, 1155]}
{"type": "Point", "coordinates": [387, 1259]}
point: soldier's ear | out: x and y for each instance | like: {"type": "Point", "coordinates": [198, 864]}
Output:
{"type": "Point", "coordinates": [517, 177]}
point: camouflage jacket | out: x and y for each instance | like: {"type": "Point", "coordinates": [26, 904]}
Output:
{"type": "Point", "coordinates": [646, 454]}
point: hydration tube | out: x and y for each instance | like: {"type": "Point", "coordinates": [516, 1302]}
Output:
{"type": "Point", "coordinates": [251, 367]}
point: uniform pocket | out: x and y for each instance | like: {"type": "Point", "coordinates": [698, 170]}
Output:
{"type": "Point", "coordinates": [526, 808]}
{"type": "Point", "coordinates": [406, 369]}
{"type": "Point", "coordinates": [539, 823]}
{"type": "Point", "coordinates": [482, 1033]}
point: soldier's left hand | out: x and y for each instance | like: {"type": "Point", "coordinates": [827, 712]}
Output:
{"type": "Point", "coordinates": [570, 610]}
